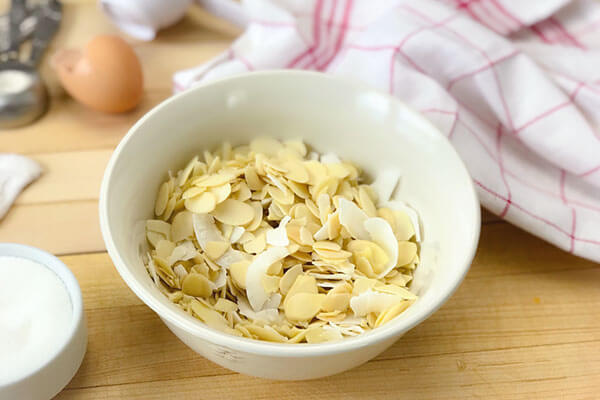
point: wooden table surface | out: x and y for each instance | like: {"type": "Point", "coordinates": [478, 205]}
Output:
{"type": "Point", "coordinates": [525, 324]}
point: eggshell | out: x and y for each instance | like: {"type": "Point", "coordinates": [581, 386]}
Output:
{"type": "Point", "coordinates": [105, 76]}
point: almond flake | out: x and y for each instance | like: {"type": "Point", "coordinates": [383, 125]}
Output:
{"type": "Point", "coordinates": [252, 179]}
{"type": "Point", "coordinates": [201, 204]}
{"type": "Point", "coordinates": [161, 199]}
{"type": "Point", "coordinates": [182, 227]}
{"type": "Point", "coordinates": [221, 192]}
{"type": "Point", "coordinates": [340, 252]}
{"type": "Point", "coordinates": [215, 249]}
{"type": "Point", "coordinates": [234, 212]}
{"type": "Point", "coordinates": [196, 285]}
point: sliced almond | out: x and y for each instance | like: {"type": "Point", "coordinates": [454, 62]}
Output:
{"type": "Point", "coordinates": [266, 333]}
{"type": "Point", "coordinates": [214, 180]}
{"type": "Point", "coordinates": [234, 212]}
{"type": "Point", "coordinates": [392, 312]}
{"type": "Point", "coordinates": [267, 146]}
{"type": "Point", "coordinates": [296, 171]}
{"type": "Point", "coordinates": [185, 173]}
{"type": "Point", "coordinates": [321, 334]}
{"type": "Point", "coordinates": [256, 245]}
{"type": "Point", "coordinates": [201, 204]}
{"type": "Point", "coordinates": [326, 245]}
{"type": "Point", "coordinates": [306, 237]}
{"type": "Point", "coordinates": [271, 283]}
{"type": "Point", "coordinates": [289, 278]}
{"type": "Point", "coordinates": [303, 306]}
{"type": "Point", "coordinates": [297, 146]}
{"type": "Point", "coordinates": [316, 171]}
{"type": "Point", "coordinates": [324, 206]}
{"type": "Point", "coordinates": [238, 272]}
{"type": "Point", "coordinates": [302, 284]}
{"type": "Point", "coordinates": [164, 248]}
{"type": "Point", "coordinates": [169, 209]}
{"type": "Point", "coordinates": [161, 199]}
{"type": "Point", "coordinates": [225, 305]}
{"type": "Point", "coordinates": [406, 252]}
{"type": "Point", "coordinates": [193, 192]}
{"type": "Point", "coordinates": [252, 179]}
{"type": "Point", "coordinates": [196, 285]}
{"type": "Point", "coordinates": [336, 301]}
{"type": "Point", "coordinates": [243, 192]}
{"type": "Point", "coordinates": [208, 316]}
{"type": "Point", "coordinates": [299, 189]}
{"type": "Point", "coordinates": [366, 202]}
{"type": "Point", "coordinates": [154, 238]}
{"type": "Point", "coordinates": [156, 225]}
{"type": "Point", "coordinates": [221, 192]}
{"type": "Point", "coordinates": [215, 249]}
{"type": "Point", "coordinates": [283, 197]}
{"type": "Point", "coordinates": [257, 217]}
{"type": "Point", "coordinates": [182, 226]}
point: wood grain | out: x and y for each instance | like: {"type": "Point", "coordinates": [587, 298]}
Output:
{"type": "Point", "coordinates": [524, 324]}
{"type": "Point", "coordinates": [67, 176]}
{"type": "Point", "coordinates": [60, 228]}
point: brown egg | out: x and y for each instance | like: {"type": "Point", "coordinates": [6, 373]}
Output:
{"type": "Point", "coordinates": [105, 76]}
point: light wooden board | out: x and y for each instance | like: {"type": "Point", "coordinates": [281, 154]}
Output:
{"type": "Point", "coordinates": [524, 325]}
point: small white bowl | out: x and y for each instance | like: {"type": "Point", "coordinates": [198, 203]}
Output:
{"type": "Point", "coordinates": [358, 123]}
{"type": "Point", "coordinates": [50, 378]}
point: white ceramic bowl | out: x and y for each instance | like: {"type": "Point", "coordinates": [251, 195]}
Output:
{"type": "Point", "coordinates": [357, 123]}
{"type": "Point", "coordinates": [47, 380]}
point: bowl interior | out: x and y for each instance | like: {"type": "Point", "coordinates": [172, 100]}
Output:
{"type": "Point", "coordinates": [331, 115]}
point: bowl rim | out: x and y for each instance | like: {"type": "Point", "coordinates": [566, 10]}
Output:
{"type": "Point", "coordinates": [72, 287]}
{"type": "Point", "coordinates": [258, 347]}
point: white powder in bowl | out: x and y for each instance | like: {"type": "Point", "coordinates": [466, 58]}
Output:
{"type": "Point", "coordinates": [35, 316]}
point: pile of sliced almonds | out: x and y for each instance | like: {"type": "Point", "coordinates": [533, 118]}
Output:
{"type": "Point", "coordinates": [272, 242]}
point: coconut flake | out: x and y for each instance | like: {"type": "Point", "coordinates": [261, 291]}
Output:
{"type": "Point", "coordinates": [273, 302]}
{"type": "Point", "coordinates": [323, 232]}
{"type": "Point", "coordinates": [221, 279]}
{"type": "Point", "coordinates": [180, 271]}
{"type": "Point", "coordinates": [268, 315]}
{"type": "Point", "coordinates": [183, 252]}
{"type": "Point", "coordinates": [353, 218]}
{"type": "Point", "coordinates": [313, 155]}
{"type": "Point", "coordinates": [384, 184]}
{"type": "Point", "coordinates": [277, 183]}
{"type": "Point", "coordinates": [206, 231]}
{"type": "Point", "coordinates": [370, 301]}
{"type": "Point", "coordinates": [352, 330]}
{"type": "Point", "coordinates": [350, 326]}
{"type": "Point", "coordinates": [382, 234]}
{"type": "Point", "coordinates": [399, 205]}
{"type": "Point", "coordinates": [152, 269]}
{"type": "Point", "coordinates": [330, 158]}
{"type": "Point", "coordinates": [232, 256]}
{"type": "Point", "coordinates": [257, 296]}
{"type": "Point", "coordinates": [236, 234]}
{"type": "Point", "coordinates": [278, 236]}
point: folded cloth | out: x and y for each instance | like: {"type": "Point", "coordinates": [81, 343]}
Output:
{"type": "Point", "coordinates": [16, 172]}
{"type": "Point", "coordinates": [515, 86]}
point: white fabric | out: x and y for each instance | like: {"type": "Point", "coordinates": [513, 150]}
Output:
{"type": "Point", "coordinates": [515, 85]}
{"type": "Point", "coordinates": [16, 172]}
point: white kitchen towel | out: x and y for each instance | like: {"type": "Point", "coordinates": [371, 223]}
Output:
{"type": "Point", "coordinates": [16, 172]}
{"type": "Point", "coordinates": [515, 86]}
